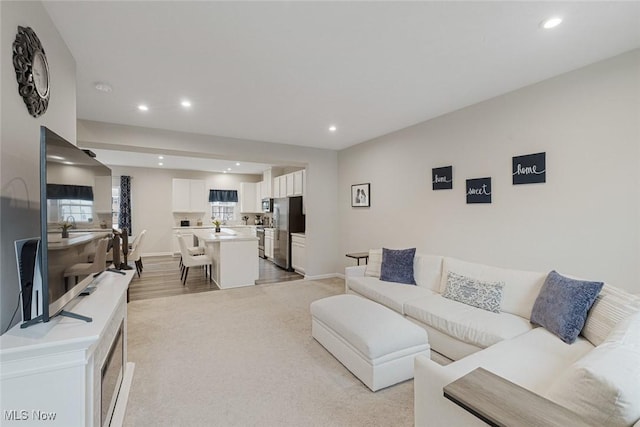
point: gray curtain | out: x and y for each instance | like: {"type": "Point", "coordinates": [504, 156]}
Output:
{"type": "Point", "coordinates": [125, 204]}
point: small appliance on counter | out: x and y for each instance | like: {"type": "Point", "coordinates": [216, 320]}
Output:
{"type": "Point", "coordinates": [185, 223]}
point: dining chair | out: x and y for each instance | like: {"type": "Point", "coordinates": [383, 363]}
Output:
{"type": "Point", "coordinates": [189, 260]}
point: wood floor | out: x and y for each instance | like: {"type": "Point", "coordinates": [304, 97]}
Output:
{"type": "Point", "coordinates": [161, 278]}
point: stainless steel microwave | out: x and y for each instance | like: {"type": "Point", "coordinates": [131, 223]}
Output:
{"type": "Point", "coordinates": [267, 205]}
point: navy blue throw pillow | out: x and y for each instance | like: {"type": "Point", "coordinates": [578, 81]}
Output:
{"type": "Point", "coordinates": [562, 305]}
{"type": "Point", "coordinates": [397, 265]}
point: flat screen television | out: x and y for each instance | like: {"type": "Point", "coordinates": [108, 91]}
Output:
{"type": "Point", "coordinates": [74, 188]}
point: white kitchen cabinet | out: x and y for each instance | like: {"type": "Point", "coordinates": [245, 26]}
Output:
{"type": "Point", "coordinates": [282, 182]}
{"type": "Point", "coordinates": [298, 252]}
{"type": "Point", "coordinates": [298, 183]}
{"type": "Point", "coordinates": [289, 184]}
{"type": "Point", "coordinates": [102, 195]}
{"type": "Point", "coordinates": [268, 243]}
{"type": "Point", "coordinates": [267, 181]}
{"type": "Point", "coordinates": [248, 198]}
{"type": "Point", "coordinates": [259, 196]}
{"type": "Point", "coordinates": [276, 188]}
{"type": "Point", "coordinates": [189, 195]}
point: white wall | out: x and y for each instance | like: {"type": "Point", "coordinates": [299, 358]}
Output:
{"type": "Point", "coordinates": [582, 221]}
{"type": "Point", "coordinates": [321, 175]}
{"type": "Point", "coordinates": [20, 136]}
{"type": "Point", "coordinates": [151, 201]}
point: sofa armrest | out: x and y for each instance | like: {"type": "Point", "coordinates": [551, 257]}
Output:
{"type": "Point", "coordinates": [354, 271]}
{"type": "Point", "coordinates": [431, 408]}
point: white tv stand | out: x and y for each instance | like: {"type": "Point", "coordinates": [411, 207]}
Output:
{"type": "Point", "coordinates": [53, 371]}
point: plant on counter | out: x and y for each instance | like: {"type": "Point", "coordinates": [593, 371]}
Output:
{"type": "Point", "coordinates": [216, 222]}
{"type": "Point", "coordinates": [65, 225]}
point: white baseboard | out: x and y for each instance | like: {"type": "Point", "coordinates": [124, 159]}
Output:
{"type": "Point", "coordinates": [156, 254]}
{"type": "Point", "coordinates": [117, 419]}
{"type": "Point", "coordinates": [324, 276]}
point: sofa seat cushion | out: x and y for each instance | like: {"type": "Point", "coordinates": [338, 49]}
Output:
{"type": "Point", "coordinates": [533, 360]}
{"type": "Point", "coordinates": [468, 324]}
{"type": "Point", "coordinates": [392, 295]}
{"type": "Point", "coordinates": [604, 385]}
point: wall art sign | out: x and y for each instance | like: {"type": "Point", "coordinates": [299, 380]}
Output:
{"type": "Point", "coordinates": [442, 178]}
{"type": "Point", "coordinates": [361, 195]}
{"type": "Point", "coordinates": [529, 169]}
{"type": "Point", "coordinates": [479, 190]}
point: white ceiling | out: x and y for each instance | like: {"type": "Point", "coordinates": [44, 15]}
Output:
{"type": "Point", "coordinates": [284, 71]}
{"type": "Point", "coordinates": [149, 160]}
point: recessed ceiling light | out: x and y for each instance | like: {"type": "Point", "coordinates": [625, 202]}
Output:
{"type": "Point", "coordinates": [143, 107]}
{"type": "Point", "coordinates": [228, 169]}
{"type": "Point", "coordinates": [103, 87]}
{"type": "Point", "coordinates": [332, 128]}
{"type": "Point", "coordinates": [185, 103]}
{"type": "Point", "coordinates": [224, 171]}
{"type": "Point", "coordinates": [160, 163]}
{"type": "Point", "coordinates": [237, 163]}
{"type": "Point", "coordinates": [160, 157]}
{"type": "Point", "coordinates": [553, 22]}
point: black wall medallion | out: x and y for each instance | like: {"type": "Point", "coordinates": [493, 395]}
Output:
{"type": "Point", "coordinates": [32, 71]}
{"type": "Point", "coordinates": [479, 190]}
{"type": "Point", "coordinates": [442, 178]}
{"type": "Point", "coordinates": [529, 169]}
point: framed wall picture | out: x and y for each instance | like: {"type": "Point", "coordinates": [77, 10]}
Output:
{"type": "Point", "coordinates": [442, 178]}
{"type": "Point", "coordinates": [361, 195]}
{"type": "Point", "coordinates": [529, 169]}
{"type": "Point", "coordinates": [479, 190]}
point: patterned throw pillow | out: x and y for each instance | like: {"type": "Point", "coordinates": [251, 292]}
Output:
{"type": "Point", "coordinates": [397, 265]}
{"type": "Point", "coordinates": [484, 295]}
{"type": "Point", "coordinates": [562, 305]}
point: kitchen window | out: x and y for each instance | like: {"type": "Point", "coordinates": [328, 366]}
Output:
{"type": "Point", "coordinates": [224, 211]}
{"type": "Point", "coordinates": [76, 211]}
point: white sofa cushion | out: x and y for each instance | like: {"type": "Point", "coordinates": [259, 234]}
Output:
{"type": "Point", "coordinates": [392, 295]}
{"type": "Point", "coordinates": [374, 264]}
{"type": "Point", "coordinates": [604, 385]}
{"type": "Point", "coordinates": [611, 306]}
{"type": "Point", "coordinates": [533, 360]}
{"type": "Point", "coordinates": [464, 322]}
{"type": "Point", "coordinates": [427, 270]}
{"type": "Point", "coordinates": [521, 287]}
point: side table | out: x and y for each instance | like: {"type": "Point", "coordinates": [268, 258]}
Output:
{"type": "Point", "coordinates": [358, 256]}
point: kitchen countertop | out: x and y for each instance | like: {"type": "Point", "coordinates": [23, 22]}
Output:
{"type": "Point", "coordinates": [197, 227]}
{"type": "Point", "coordinates": [224, 235]}
{"type": "Point", "coordinates": [56, 242]}
{"type": "Point", "coordinates": [298, 234]}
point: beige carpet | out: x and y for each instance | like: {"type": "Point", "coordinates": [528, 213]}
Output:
{"type": "Point", "coordinates": [245, 357]}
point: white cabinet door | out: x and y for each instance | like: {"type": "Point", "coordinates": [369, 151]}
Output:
{"type": "Point", "coordinates": [197, 195]}
{"type": "Point", "coordinates": [181, 195]}
{"type": "Point", "coordinates": [248, 197]}
{"type": "Point", "coordinates": [189, 195]}
{"type": "Point", "coordinates": [298, 253]}
{"type": "Point", "coordinates": [276, 187]}
{"type": "Point", "coordinates": [268, 244]}
{"type": "Point", "coordinates": [267, 181]}
{"type": "Point", "coordinates": [259, 196]}
{"type": "Point", "coordinates": [283, 186]}
{"type": "Point", "coordinates": [298, 183]}
{"type": "Point", "coordinates": [289, 184]}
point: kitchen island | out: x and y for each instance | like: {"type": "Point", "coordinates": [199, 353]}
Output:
{"type": "Point", "coordinates": [235, 257]}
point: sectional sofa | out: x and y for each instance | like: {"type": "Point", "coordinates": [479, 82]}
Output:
{"type": "Point", "coordinates": [597, 376]}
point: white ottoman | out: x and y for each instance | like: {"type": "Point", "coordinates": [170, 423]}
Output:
{"type": "Point", "coordinates": [375, 343]}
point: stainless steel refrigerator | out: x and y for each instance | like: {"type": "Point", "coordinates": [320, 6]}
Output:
{"type": "Point", "coordinates": [287, 218]}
